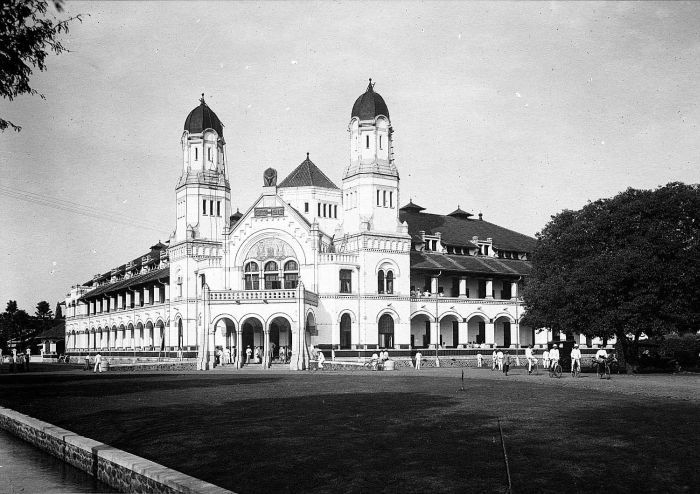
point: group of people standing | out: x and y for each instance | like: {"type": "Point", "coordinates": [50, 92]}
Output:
{"type": "Point", "coordinates": [19, 362]}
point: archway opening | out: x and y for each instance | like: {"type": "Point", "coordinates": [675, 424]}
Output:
{"type": "Point", "coordinates": [385, 328]}
{"type": "Point", "coordinates": [252, 336]}
{"type": "Point", "coordinates": [226, 328]}
{"type": "Point", "coordinates": [420, 331]}
{"type": "Point", "coordinates": [345, 331]}
{"type": "Point", "coordinates": [502, 332]}
{"type": "Point", "coordinates": [476, 330]}
{"type": "Point", "coordinates": [280, 336]}
{"type": "Point", "coordinates": [449, 331]}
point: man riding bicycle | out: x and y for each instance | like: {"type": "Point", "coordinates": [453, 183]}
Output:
{"type": "Point", "coordinates": [575, 358]}
{"type": "Point", "coordinates": [530, 359]}
{"type": "Point", "coordinates": [554, 356]}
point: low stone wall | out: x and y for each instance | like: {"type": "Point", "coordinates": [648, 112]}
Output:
{"type": "Point", "coordinates": [116, 468]}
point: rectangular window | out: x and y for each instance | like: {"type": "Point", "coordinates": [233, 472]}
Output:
{"type": "Point", "coordinates": [211, 207]}
{"type": "Point", "coordinates": [291, 280]}
{"type": "Point", "coordinates": [486, 250]}
{"type": "Point", "coordinates": [380, 142]}
{"type": "Point", "coordinates": [505, 291]}
{"type": "Point", "coordinates": [204, 207]}
{"type": "Point", "coordinates": [272, 281]}
{"type": "Point", "coordinates": [218, 208]}
{"type": "Point", "coordinates": [335, 211]}
{"type": "Point", "coordinates": [345, 281]}
{"type": "Point", "coordinates": [209, 154]}
{"type": "Point", "coordinates": [306, 207]}
{"type": "Point", "coordinates": [482, 288]}
{"type": "Point", "coordinates": [378, 195]}
{"type": "Point", "coordinates": [196, 156]}
{"type": "Point", "coordinates": [391, 199]}
{"type": "Point", "coordinates": [319, 210]}
{"type": "Point", "coordinates": [367, 141]}
{"type": "Point", "coordinates": [384, 200]}
{"type": "Point", "coordinates": [252, 282]}
{"type": "Point", "coordinates": [324, 210]}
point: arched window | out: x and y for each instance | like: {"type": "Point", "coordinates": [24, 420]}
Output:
{"type": "Point", "coordinates": [380, 281]}
{"type": "Point", "coordinates": [386, 331]}
{"type": "Point", "coordinates": [252, 276]}
{"type": "Point", "coordinates": [291, 275]}
{"type": "Point", "coordinates": [390, 282]}
{"type": "Point", "coordinates": [345, 331]}
{"type": "Point", "coordinates": [366, 141]}
{"type": "Point", "coordinates": [272, 280]}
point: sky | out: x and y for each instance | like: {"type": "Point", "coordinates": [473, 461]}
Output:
{"type": "Point", "coordinates": [513, 110]}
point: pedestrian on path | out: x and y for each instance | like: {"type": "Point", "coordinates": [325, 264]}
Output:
{"type": "Point", "coordinates": [419, 356]}
{"type": "Point", "coordinates": [98, 363]}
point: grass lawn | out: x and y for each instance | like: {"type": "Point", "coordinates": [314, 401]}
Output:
{"type": "Point", "coordinates": [400, 432]}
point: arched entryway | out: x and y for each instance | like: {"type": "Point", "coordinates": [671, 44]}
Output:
{"type": "Point", "coordinates": [130, 332]}
{"type": "Point", "coordinates": [280, 336]}
{"type": "Point", "coordinates": [385, 329]}
{"type": "Point", "coordinates": [449, 331]}
{"type": "Point", "coordinates": [476, 329]}
{"type": "Point", "coordinates": [252, 336]}
{"type": "Point", "coordinates": [180, 342]}
{"type": "Point", "coordinates": [420, 330]}
{"type": "Point", "coordinates": [502, 332]}
{"type": "Point", "coordinates": [345, 331]}
{"type": "Point", "coordinates": [149, 335]}
{"type": "Point", "coordinates": [160, 331]}
{"type": "Point", "coordinates": [139, 334]}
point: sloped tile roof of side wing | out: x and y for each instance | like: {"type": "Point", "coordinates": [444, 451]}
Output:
{"type": "Point", "coordinates": [307, 175]}
{"type": "Point", "coordinates": [459, 229]}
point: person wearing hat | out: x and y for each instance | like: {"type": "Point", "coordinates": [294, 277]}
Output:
{"type": "Point", "coordinates": [554, 356]}
{"type": "Point", "coordinates": [575, 357]}
{"type": "Point", "coordinates": [530, 359]}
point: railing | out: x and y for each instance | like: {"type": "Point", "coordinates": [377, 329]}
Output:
{"type": "Point", "coordinates": [253, 295]}
{"type": "Point", "coordinates": [463, 300]}
{"type": "Point", "coordinates": [327, 257]}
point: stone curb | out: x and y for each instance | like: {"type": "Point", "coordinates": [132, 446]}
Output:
{"type": "Point", "coordinates": [116, 468]}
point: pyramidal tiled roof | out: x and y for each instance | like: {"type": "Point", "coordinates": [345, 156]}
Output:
{"type": "Point", "coordinates": [307, 175]}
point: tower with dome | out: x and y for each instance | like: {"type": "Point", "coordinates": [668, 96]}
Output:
{"type": "Point", "coordinates": [308, 265]}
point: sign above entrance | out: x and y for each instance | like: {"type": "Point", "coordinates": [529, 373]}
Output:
{"type": "Point", "coordinates": [262, 212]}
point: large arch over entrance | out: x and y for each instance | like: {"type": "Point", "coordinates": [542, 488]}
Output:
{"type": "Point", "coordinates": [476, 328]}
{"type": "Point", "coordinates": [280, 336]}
{"type": "Point", "coordinates": [252, 336]}
{"type": "Point", "coordinates": [449, 331]}
{"type": "Point", "coordinates": [345, 331]}
{"type": "Point", "coordinates": [420, 330]}
{"type": "Point", "coordinates": [226, 338]}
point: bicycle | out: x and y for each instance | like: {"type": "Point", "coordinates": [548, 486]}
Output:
{"type": "Point", "coordinates": [534, 367]}
{"type": "Point", "coordinates": [576, 369]}
{"type": "Point", "coordinates": [555, 370]}
{"type": "Point", "coordinates": [603, 369]}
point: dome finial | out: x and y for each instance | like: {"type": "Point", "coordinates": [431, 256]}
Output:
{"type": "Point", "coordinates": [370, 87]}
{"type": "Point", "coordinates": [201, 100]}
{"type": "Point", "coordinates": [307, 155]}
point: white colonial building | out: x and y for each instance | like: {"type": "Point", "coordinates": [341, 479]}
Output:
{"type": "Point", "coordinates": [308, 263]}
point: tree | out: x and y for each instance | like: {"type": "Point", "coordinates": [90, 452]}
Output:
{"type": "Point", "coordinates": [58, 312]}
{"type": "Point", "coordinates": [13, 325]}
{"type": "Point", "coordinates": [627, 266]}
{"type": "Point", "coordinates": [27, 36]}
{"type": "Point", "coordinates": [43, 310]}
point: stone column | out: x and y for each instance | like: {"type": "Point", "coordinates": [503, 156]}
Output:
{"type": "Point", "coordinates": [434, 334]}
{"type": "Point", "coordinates": [239, 349]}
{"type": "Point", "coordinates": [490, 333]}
{"type": "Point", "coordinates": [137, 297]}
{"type": "Point", "coordinates": [463, 287]}
{"type": "Point", "coordinates": [489, 288]}
{"type": "Point", "coordinates": [266, 349]}
{"type": "Point", "coordinates": [514, 290]}
{"type": "Point", "coordinates": [167, 291]}
{"type": "Point", "coordinates": [156, 294]}
{"type": "Point", "coordinates": [463, 333]}
{"type": "Point", "coordinates": [434, 285]}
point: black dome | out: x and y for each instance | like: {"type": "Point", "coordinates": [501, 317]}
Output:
{"type": "Point", "coordinates": [369, 105]}
{"type": "Point", "coordinates": [201, 118]}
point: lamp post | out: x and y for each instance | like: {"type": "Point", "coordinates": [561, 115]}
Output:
{"type": "Point", "coordinates": [437, 321]}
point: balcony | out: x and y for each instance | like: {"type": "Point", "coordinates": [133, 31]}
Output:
{"type": "Point", "coordinates": [261, 296]}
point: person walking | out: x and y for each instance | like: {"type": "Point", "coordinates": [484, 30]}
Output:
{"type": "Point", "coordinates": [419, 356]}
{"type": "Point", "coordinates": [87, 363]}
{"type": "Point", "coordinates": [494, 360]}
{"type": "Point", "coordinates": [98, 363]}
{"type": "Point", "coordinates": [499, 359]}
{"type": "Point", "coordinates": [248, 354]}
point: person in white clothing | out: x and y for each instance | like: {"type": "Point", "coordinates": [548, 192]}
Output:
{"type": "Point", "coordinates": [575, 358]}
{"type": "Point", "coordinates": [98, 363]}
{"type": "Point", "coordinates": [418, 357]}
{"type": "Point", "coordinates": [530, 359]}
{"type": "Point", "coordinates": [321, 359]}
{"type": "Point", "coordinates": [499, 358]}
{"type": "Point", "coordinates": [545, 358]}
{"type": "Point", "coordinates": [554, 356]}
{"type": "Point", "coordinates": [494, 360]}
{"type": "Point", "coordinates": [479, 359]}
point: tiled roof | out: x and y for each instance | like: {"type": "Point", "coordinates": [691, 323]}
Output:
{"type": "Point", "coordinates": [307, 175]}
{"type": "Point", "coordinates": [56, 332]}
{"type": "Point", "coordinates": [458, 231]}
{"type": "Point", "coordinates": [157, 274]}
{"type": "Point", "coordinates": [458, 213]}
{"type": "Point", "coordinates": [411, 207]}
{"type": "Point", "coordinates": [481, 265]}
{"type": "Point", "coordinates": [135, 264]}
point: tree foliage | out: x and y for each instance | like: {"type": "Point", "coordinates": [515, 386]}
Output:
{"type": "Point", "coordinates": [624, 266]}
{"type": "Point", "coordinates": [43, 310]}
{"type": "Point", "coordinates": [27, 35]}
{"type": "Point", "coordinates": [13, 324]}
